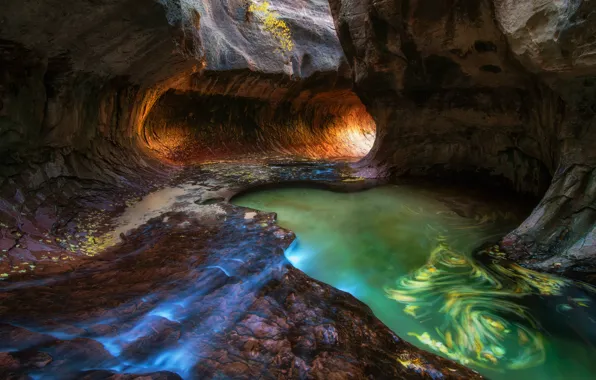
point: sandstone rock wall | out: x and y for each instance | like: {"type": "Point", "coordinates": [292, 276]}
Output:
{"type": "Point", "coordinates": [76, 80]}
{"type": "Point", "coordinates": [236, 39]}
{"type": "Point", "coordinates": [68, 67]}
{"type": "Point", "coordinates": [86, 73]}
{"type": "Point", "coordinates": [82, 84]}
{"type": "Point", "coordinates": [550, 36]}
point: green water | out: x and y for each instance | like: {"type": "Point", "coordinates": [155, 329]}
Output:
{"type": "Point", "coordinates": [406, 252]}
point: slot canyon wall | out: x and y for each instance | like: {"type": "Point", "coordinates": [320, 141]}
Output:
{"type": "Point", "coordinates": [322, 127]}
{"type": "Point", "coordinates": [76, 80]}
{"type": "Point", "coordinates": [498, 90]}
{"type": "Point", "coordinates": [256, 95]}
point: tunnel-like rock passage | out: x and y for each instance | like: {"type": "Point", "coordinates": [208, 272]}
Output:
{"type": "Point", "coordinates": [104, 101]}
{"type": "Point", "coordinates": [191, 126]}
{"type": "Point", "coordinates": [131, 90]}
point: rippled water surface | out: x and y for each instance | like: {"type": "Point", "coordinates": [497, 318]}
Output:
{"type": "Point", "coordinates": [406, 251]}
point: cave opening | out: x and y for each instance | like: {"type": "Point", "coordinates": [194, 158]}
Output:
{"type": "Point", "coordinates": [189, 127]}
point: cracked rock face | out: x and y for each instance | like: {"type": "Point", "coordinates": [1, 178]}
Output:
{"type": "Point", "coordinates": [502, 91]}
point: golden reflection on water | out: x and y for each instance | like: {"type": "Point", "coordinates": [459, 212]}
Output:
{"type": "Point", "coordinates": [484, 324]}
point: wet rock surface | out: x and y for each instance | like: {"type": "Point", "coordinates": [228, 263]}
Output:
{"type": "Point", "coordinates": [203, 294]}
{"type": "Point", "coordinates": [79, 82]}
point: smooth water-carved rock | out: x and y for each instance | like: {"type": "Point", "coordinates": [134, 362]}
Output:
{"type": "Point", "coordinates": [91, 117]}
{"type": "Point", "coordinates": [86, 84]}
{"type": "Point", "coordinates": [204, 297]}
{"type": "Point", "coordinates": [443, 90]}
{"type": "Point", "coordinates": [235, 38]}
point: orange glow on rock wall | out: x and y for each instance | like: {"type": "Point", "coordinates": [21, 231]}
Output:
{"type": "Point", "coordinates": [185, 127]}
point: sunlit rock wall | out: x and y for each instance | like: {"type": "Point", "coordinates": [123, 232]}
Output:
{"type": "Point", "coordinates": [297, 98]}
{"type": "Point", "coordinates": [235, 38]}
{"type": "Point", "coordinates": [83, 75]}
